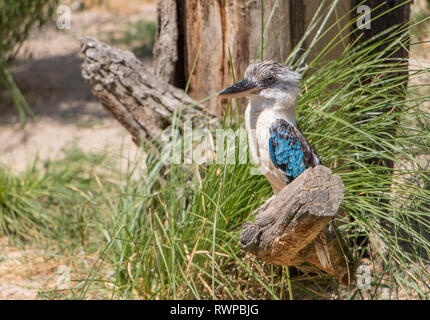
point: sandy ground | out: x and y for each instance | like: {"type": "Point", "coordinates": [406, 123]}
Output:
{"type": "Point", "coordinates": [32, 273]}
{"type": "Point", "coordinates": [48, 73]}
{"type": "Point", "coordinates": [23, 272]}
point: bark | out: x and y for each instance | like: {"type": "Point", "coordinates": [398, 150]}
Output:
{"type": "Point", "coordinates": [297, 30]}
{"type": "Point", "coordinates": [292, 228]}
{"type": "Point", "coordinates": [143, 103]}
{"type": "Point", "coordinates": [167, 61]}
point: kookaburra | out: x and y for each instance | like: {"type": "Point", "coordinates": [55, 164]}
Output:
{"type": "Point", "coordinates": [276, 143]}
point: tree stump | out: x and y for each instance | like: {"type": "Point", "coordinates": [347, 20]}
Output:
{"type": "Point", "coordinates": [292, 227]}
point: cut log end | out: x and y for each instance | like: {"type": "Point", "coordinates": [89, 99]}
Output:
{"type": "Point", "coordinates": [293, 228]}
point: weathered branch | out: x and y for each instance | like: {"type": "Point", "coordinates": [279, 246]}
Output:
{"type": "Point", "coordinates": [140, 101]}
{"type": "Point", "coordinates": [293, 227]}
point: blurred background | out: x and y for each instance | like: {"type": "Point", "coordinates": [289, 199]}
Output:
{"type": "Point", "coordinates": [46, 69]}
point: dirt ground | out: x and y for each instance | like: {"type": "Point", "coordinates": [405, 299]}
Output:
{"type": "Point", "coordinates": [32, 273]}
{"type": "Point", "coordinates": [23, 272]}
{"type": "Point", "coordinates": [48, 73]}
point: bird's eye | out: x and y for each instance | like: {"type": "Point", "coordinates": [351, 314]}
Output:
{"type": "Point", "coordinates": [270, 80]}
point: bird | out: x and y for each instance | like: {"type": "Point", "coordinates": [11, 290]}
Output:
{"type": "Point", "coordinates": [276, 142]}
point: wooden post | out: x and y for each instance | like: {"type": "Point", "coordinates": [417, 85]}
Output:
{"type": "Point", "coordinates": [203, 37]}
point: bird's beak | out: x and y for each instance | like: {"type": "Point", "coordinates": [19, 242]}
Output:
{"type": "Point", "coordinates": [239, 89]}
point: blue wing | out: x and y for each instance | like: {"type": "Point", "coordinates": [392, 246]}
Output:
{"type": "Point", "coordinates": [289, 150]}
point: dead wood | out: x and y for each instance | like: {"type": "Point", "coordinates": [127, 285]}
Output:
{"type": "Point", "coordinates": [293, 228]}
{"type": "Point", "coordinates": [143, 103]}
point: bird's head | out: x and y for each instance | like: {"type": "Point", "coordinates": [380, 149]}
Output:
{"type": "Point", "coordinates": [266, 79]}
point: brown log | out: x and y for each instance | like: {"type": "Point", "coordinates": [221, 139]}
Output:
{"type": "Point", "coordinates": [143, 103]}
{"type": "Point", "coordinates": [293, 228]}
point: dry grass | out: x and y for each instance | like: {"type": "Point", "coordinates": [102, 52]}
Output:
{"type": "Point", "coordinates": [33, 273]}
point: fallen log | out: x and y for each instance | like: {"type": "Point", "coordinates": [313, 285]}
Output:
{"type": "Point", "coordinates": [143, 103]}
{"type": "Point", "coordinates": [293, 228]}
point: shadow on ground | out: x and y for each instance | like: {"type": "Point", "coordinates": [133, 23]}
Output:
{"type": "Point", "coordinates": [54, 88]}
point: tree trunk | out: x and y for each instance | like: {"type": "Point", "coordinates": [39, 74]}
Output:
{"type": "Point", "coordinates": [168, 63]}
{"type": "Point", "coordinates": [215, 34]}
{"type": "Point", "coordinates": [389, 18]}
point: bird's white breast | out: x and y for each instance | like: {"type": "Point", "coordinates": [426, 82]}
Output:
{"type": "Point", "coordinates": [250, 126]}
{"type": "Point", "coordinates": [258, 128]}
{"type": "Point", "coordinates": [264, 121]}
